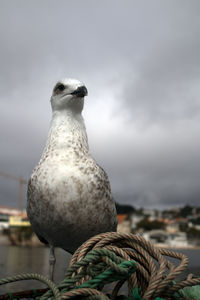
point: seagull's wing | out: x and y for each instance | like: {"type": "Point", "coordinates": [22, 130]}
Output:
{"type": "Point", "coordinates": [29, 191]}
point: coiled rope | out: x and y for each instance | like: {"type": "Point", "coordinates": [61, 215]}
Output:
{"type": "Point", "coordinates": [116, 257]}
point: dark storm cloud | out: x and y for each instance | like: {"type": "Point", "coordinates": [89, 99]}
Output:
{"type": "Point", "coordinates": [140, 62]}
{"type": "Point", "coordinates": [165, 83]}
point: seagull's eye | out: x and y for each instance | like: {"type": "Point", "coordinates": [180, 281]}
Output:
{"type": "Point", "coordinates": [60, 87]}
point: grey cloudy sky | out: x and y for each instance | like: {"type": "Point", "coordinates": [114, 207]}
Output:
{"type": "Point", "coordinates": [141, 63]}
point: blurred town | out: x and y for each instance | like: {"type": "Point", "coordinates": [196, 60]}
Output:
{"type": "Point", "coordinates": [172, 228]}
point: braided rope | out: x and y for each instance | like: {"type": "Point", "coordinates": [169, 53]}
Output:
{"type": "Point", "coordinates": [153, 279]}
{"type": "Point", "coordinates": [116, 257]}
{"type": "Point", "coordinates": [83, 292]}
{"type": "Point", "coordinates": [28, 276]}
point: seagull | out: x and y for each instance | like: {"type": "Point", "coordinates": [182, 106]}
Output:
{"type": "Point", "coordinates": [69, 197]}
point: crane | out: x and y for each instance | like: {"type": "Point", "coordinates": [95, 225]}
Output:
{"type": "Point", "coordinates": [21, 182]}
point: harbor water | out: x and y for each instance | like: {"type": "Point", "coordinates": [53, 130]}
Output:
{"type": "Point", "coordinates": [15, 260]}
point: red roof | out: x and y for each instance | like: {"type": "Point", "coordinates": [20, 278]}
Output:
{"type": "Point", "coordinates": [121, 218]}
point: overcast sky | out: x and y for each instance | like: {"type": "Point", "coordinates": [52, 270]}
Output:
{"type": "Point", "coordinates": [140, 61]}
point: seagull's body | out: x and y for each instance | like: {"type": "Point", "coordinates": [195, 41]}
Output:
{"type": "Point", "coordinates": [69, 196]}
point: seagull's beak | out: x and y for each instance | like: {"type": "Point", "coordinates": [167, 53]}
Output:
{"type": "Point", "coordinates": [81, 91]}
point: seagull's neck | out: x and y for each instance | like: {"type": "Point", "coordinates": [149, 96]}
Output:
{"type": "Point", "coordinates": [67, 131]}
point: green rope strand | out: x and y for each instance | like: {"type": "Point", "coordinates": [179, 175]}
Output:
{"type": "Point", "coordinates": [112, 268]}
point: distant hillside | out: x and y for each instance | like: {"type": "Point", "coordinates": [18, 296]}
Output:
{"type": "Point", "coordinates": [124, 208]}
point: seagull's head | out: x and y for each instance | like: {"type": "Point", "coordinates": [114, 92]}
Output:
{"type": "Point", "coordinates": [68, 94]}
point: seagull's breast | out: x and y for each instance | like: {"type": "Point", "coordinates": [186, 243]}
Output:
{"type": "Point", "coordinates": [69, 194]}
